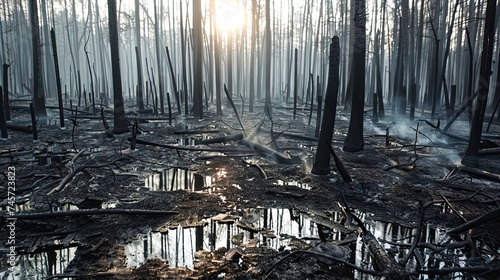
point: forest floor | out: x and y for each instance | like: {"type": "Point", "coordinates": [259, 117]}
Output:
{"type": "Point", "coordinates": [277, 220]}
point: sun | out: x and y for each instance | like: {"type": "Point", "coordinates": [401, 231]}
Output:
{"type": "Point", "coordinates": [229, 14]}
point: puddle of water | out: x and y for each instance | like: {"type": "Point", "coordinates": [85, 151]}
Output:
{"type": "Point", "coordinates": [41, 265]}
{"type": "Point", "coordinates": [174, 179]}
{"type": "Point", "coordinates": [281, 229]}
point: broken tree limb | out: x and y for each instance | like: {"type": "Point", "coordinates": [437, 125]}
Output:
{"type": "Point", "coordinates": [446, 133]}
{"type": "Point", "coordinates": [490, 151]}
{"type": "Point", "coordinates": [340, 166]}
{"type": "Point", "coordinates": [381, 260]}
{"type": "Point", "coordinates": [481, 173]}
{"type": "Point", "coordinates": [223, 139]}
{"type": "Point", "coordinates": [196, 131]}
{"type": "Point", "coordinates": [494, 214]}
{"type": "Point", "coordinates": [72, 174]}
{"type": "Point", "coordinates": [195, 149]}
{"type": "Point", "coordinates": [280, 157]}
{"type": "Point", "coordinates": [286, 193]}
{"type": "Point", "coordinates": [465, 106]}
{"type": "Point", "coordinates": [262, 172]}
{"type": "Point", "coordinates": [20, 127]}
{"type": "Point", "coordinates": [228, 95]}
{"type": "Point", "coordinates": [112, 211]}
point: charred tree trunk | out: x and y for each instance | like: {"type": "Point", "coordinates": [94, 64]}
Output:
{"type": "Point", "coordinates": [120, 121]}
{"type": "Point", "coordinates": [471, 156]}
{"type": "Point", "coordinates": [58, 78]}
{"type": "Point", "coordinates": [6, 102]}
{"type": "Point", "coordinates": [267, 107]}
{"type": "Point", "coordinates": [322, 161]}
{"type": "Point", "coordinates": [140, 80]}
{"type": "Point", "coordinates": [354, 140]}
{"type": "Point", "coordinates": [38, 94]}
{"type": "Point", "coordinates": [3, 123]}
{"type": "Point", "coordinates": [197, 61]}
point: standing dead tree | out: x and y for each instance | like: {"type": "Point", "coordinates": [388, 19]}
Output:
{"type": "Point", "coordinates": [120, 121]}
{"type": "Point", "coordinates": [354, 140]}
{"type": "Point", "coordinates": [471, 156]}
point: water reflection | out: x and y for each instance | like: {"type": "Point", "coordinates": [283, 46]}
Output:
{"type": "Point", "coordinates": [274, 228]}
{"type": "Point", "coordinates": [174, 179]}
{"type": "Point", "coordinates": [284, 229]}
{"type": "Point", "coordinates": [40, 265]}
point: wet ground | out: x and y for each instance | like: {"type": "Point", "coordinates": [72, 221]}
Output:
{"type": "Point", "coordinates": [238, 214]}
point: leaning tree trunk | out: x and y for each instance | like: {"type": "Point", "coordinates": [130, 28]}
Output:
{"type": "Point", "coordinates": [38, 95]}
{"type": "Point", "coordinates": [322, 161]}
{"type": "Point", "coordinates": [471, 156]}
{"type": "Point", "coordinates": [120, 121]}
{"type": "Point", "coordinates": [354, 140]}
{"type": "Point", "coordinates": [197, 61]}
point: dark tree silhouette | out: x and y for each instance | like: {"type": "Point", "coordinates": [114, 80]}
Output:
{"type": "Point", "coordinates": [354, 140]}
{"type": "Point", "coordinates": [197, 61]}
{"type": "Point", "coordinates": [471, 156]}
{"type": "Point", "coordinates": [38, 95]}
{"type": "Point", "coordinates": [322, 161]}
{"type": "Point", "coordinates": [120, 121]}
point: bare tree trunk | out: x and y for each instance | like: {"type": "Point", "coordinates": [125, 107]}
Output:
{"type": "Point", "coordinates": [197, 60]}
{"type": "Point", "coordinates": [252, 56]}
{"type": "Point", "coordinates": [471, 156]}
{"type": "Point", "coordinates": [183, 58]}
{"type": "Point", "coordinates": [58, 78]}
{"type": "Point", "coordinates": [38, 94]}
{"type": "Point", "coordinates": [6, 102]}
{"type": "Point", "coordinates": [267, 107]}
{"type": "Point", "coordinates": [138, 53]}
{"type": "Point", "coordinates": [120, 121]}
{"type": "Point", "coordinates": [354, 140]}
{"type": "Point", "coordinates": [322, 161]}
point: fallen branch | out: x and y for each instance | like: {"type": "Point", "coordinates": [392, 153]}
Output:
{"type": "Point", "coordinates": [79, 169]}
{"type": "Point", "coordinates": [234, 108]}
{"type": "Point", "coordinates": [58, 214]}
{"type": "Point", "coordinates": [196, 131]}
{"type": "Point", "coordinates": [494, 214]}
{"type": "Point", "coordinates": [195, 149]}
{"type": "Point", "coordinates": [340, 166]}
{"type": "Point", "coordinates": [280, 157]}
{"type": "Point", "coordinates": [223, 139]}
{"type": "Point", "coordinates": [286, 193]}
{"type": "Point", "coordinates": [481, 173]}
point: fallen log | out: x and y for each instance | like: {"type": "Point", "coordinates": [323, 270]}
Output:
{"type": "Point", "coordinates": [481, 173]}
{"type": "Point", "coordinates": [279, 157]}
{"type": "Point", "coordinates": [194, 149]}
{"type": "Point", "coordinates": [112, 211]}
{"type": "Point", "coordinates": [196, 131]}
{"type": "Point", "coordinates": [223, 139]}
{"type": "Point", "coordinates": [286, 193]}
{"type": "Point", "coordinates": [20, 127]}
{"type": "Point", "coordinates": [381, 260]}
{"type": "Point", "coordinates": [490, 151]}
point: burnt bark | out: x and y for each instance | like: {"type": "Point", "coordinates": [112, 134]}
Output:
{"type": "Point", "coordinates": [38, 94]}
{"type": "Point", "coordinates": [120, 121]}
{"type": "Point", "coordinates": [322, 161]}
{"type": "Point", "coordinates": [471, 156]}
{"type": "Point", "coordinates": [354, 140]}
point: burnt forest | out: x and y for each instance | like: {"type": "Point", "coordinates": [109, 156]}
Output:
{"type": "Point", "coordinates": [249, 139]}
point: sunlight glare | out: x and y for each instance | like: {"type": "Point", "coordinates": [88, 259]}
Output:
{"type": "Point", "coordinates": [229, 14]}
